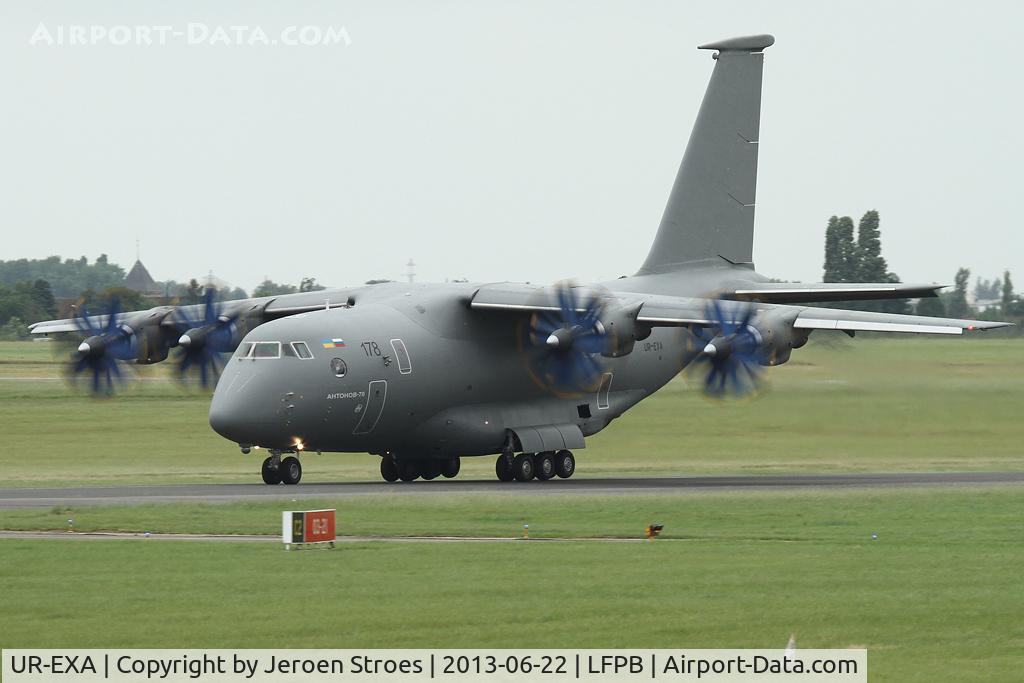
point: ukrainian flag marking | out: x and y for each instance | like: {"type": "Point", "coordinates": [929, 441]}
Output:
{"type": "Point", "coordinates": [333, 343]}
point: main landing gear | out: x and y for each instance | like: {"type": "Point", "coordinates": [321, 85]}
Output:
{"type": "Point", "coordinates": [281, 471]}
{"type": "Point", "coordinates": [542, 466]}
{"type": "Point", "coordinates": [411, 470]}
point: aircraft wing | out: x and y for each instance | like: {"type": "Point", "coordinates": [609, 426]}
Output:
{"type": "Point", "coordinates": [660, 313]}
{"type": "Point", "coordinates": [268, 308]}
{"type": "Point", "coordinates": [670, 311]}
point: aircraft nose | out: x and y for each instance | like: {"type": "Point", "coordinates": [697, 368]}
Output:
{"type": "Point", "coordinates": [227, 417]}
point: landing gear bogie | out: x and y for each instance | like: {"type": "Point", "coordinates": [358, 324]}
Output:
{"type": "Point", "coordinates": [541, 466]}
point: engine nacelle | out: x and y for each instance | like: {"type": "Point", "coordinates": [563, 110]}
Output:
{"type": "Point", "coordinates": [622, 330]}
{"type": "Point", "coordinates": [778, 338]}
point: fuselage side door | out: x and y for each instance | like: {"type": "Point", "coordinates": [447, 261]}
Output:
{"type": "Point", "coordinates": [376, 396]}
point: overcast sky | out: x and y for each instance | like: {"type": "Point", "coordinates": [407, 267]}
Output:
{"type": "Point", "coordinates": [499, 140]}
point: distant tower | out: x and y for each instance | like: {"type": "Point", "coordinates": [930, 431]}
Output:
{"type": "Point", "coordinates": [410, 270]}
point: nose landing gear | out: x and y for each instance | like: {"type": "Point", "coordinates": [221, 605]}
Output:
{"type": "Point", "coordinates": [278, 471]}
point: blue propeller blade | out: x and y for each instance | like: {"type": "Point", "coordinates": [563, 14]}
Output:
{"type": "Point", "coordinates": [572, 367]}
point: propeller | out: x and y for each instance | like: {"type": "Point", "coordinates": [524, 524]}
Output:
{"type": "Point", "coordinates": [203, 340]}
{"type": "Point", "coordinates": [728, 351]}
{"type": "Point", "coordinates": [565, 344]}
{"type": "Point", "coordinates": [99, 353]}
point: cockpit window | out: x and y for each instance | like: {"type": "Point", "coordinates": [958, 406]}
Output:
{"type": "Point", "coordinates": [244, 350]}
{"type": "Point", "coordinates": [266, 349]}
{"type": "Point", "coordinates": [301, 350]}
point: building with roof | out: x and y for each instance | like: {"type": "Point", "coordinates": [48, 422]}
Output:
{"type": "Point", "coordinates": [139, 280]}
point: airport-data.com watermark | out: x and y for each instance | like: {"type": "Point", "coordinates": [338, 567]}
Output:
{"type": "Point", "coordinates": [190, 34]}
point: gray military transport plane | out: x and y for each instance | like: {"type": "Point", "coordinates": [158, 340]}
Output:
{"type": "Point", "coordinates": [422, 375]}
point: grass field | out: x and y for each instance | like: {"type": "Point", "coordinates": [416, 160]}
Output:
{"type": "Point", "coordinates": [868, 405]}
{"type": "Point", "coordinates": [937, 597]}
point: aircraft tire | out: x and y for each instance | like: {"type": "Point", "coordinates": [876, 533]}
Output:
{"type": "Point", "coordinates": [522, 467]}
{"type": "Point", "coordinates": [291, 471]}
{"type": "Point", "coordinates": [408, 470]}
{"type": "Point", "coordinates": [271, 474]}
{"type": "Point", "coordinates": [430, 469]}
{"type": "Point", "coordinates": [502, 469]}
{"type": "Point", "coordinates": [544, 465]}
{"type": "Point", "coordinates": [388, 469]}
{"type": "Point", "coordinates": [450, 467]}
{"type": "Point", "coordinates": [565, 464]}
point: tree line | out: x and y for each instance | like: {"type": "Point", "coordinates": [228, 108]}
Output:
{"type": "Point", "coordinates": [30, 290]}
{"type": "Point", "coordinates": [857, 257]}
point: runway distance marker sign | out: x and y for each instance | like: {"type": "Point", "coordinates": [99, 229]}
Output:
{"type": "Point", "coordinates": [307, 526]}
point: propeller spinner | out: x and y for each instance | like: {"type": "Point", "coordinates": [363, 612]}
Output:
{"type": "Point", "coordinates": [566, 344]}
{"type": "Point", "coordinates": [203, 340]}
{"type": "Point", "coordinates": [728, 352]}
{"type": "Point", "coordinates": [99, 353]}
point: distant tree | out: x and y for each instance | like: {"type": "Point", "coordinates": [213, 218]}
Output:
{"type": "Point", "coordinates": [309, 284]}
{"type": "Point", "coordinates": [14, 329]}
{"type": "Point", "coordinates": [847, 250]}
{"type": "Point", "coordinates": [956, 304]}
{"type": "Point", "coordinates": [127, 300]}
{"type": "Point", "coordinates": [986, 290]}
{"type": "Point", "coordinates": [42, 297]}
{"type": "Point", "coordinates": [227, 294]}
{"type": "Point", "coordinates": [1007, 300]}
{"type": "Point", "coordinates": [270, 288]}
{"type": "Point", "coordinates": [931, 306]}
{"type": "Point", "coordinates": [833, 260]}
{"type": "Point", "coordinates": [871, 267]}
{"type": "Point", "coordinates": [26, 301]}
{"type": "Point", "coordinates": [193, 293]}
{"type": "Point", "coordinates": [67, 278]}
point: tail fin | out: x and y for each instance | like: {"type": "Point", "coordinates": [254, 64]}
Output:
{"type": "Point", "coordinates": [710, 213]}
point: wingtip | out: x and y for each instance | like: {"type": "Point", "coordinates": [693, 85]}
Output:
{"type": "Point", "coordinates": [984, 325]}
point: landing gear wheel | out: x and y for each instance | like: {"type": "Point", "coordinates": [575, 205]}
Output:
{"type": "Point", "coordinates": [430, 469]}
{"type": "Point", "coordinates": [503, 469]}
{"type": "Point", "coordinates": [450, 467]}
{"type": "Point", "coordinates": [271, 474]}
{"type": "Point", "coordinates": [291, 471]}
{"type": "Point", "coordinates": [522, 467]}
{"type": "Point", "coordinates": [565, 464]}
{"type": "Point", "coordinates": [408, 470]}
{"type": "Point", "coordinates": [388, 469]}
{"type": "Point", "coordinates": [544, 465]}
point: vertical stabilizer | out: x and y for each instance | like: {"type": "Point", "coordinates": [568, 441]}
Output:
{"type": "Point", "coordinates": [710, 213]}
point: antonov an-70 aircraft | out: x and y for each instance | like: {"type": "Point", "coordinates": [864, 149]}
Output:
{"type": "Point", "coordinates": [422, 375]}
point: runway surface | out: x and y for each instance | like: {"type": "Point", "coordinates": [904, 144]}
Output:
{"type": "Point", "coordinates": [225, 493]}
